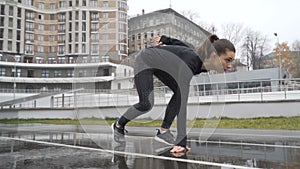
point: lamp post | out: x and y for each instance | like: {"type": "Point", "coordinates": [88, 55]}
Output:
{"type": "Point", "coordinates": [280, 60]}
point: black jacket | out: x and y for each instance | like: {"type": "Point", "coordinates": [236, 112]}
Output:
{"type": "Point", "coordinates": [184, 51]}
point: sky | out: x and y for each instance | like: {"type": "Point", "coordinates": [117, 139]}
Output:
{"type": "Point", "coordinates": [264, 16]}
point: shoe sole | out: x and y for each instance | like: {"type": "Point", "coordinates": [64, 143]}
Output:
{"type": "Point", "coordinates": [113, 135]}
{"type": "Point", "coordinates": [162, 141]}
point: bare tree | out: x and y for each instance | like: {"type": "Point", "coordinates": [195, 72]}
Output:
{"type": "Point", "coordinates": [195, 17]}
{"type": "Point", "coordinates": [233, 32]}
{"type": "Point", "coordinates": [295, 70]}
{"type": "Point", "coordinates": [191, 15]}
{"type": "Point", "coordinates": [209, 27]}
{"type": "Point", "coordinates": [253, 48]}
{"type": "Point", "coordinates": [296, 45]}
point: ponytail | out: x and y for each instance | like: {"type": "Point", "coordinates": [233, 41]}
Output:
{"type": "Point", "coordinates": [214, 44]}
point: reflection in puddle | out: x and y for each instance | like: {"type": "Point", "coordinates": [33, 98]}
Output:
{"type": "Point", "coordinates": [22, 154]}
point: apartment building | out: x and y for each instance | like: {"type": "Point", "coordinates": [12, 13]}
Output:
{"type": "Point", "coordinates": [143, 27]}
{"type": "Point", "coordinates": [35, 35]}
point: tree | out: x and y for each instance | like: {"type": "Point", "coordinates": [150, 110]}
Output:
{"type": "Point", "coordinates": [282, 56]}
{"type": "Point", "coordinates": [233, 32]}
{"type": "Point", "coordinates": [191, 15]}
{"type": "Point", "coordinates": [195, 17]}
{"type": "Point", "coordinates": [295, 69]}
{"type": "Point", "coordinates": [253, 48]}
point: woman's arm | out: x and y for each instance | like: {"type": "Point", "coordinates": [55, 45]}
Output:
{"type": "Point", "coordinates": [170, 41]}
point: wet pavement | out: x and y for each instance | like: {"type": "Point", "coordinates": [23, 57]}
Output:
{"type": "Point", "coordinates": [72, 146]}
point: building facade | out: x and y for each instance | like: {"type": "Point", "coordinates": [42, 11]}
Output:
{"type": "Point", "coordinates": [144, 27]}
{"type": "Point", "coordinates": [47, 38]}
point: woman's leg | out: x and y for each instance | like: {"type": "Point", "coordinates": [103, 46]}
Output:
{"type": "Point", "coordinates": [174, 104]}
{"type": "Point", "coordinates": [144, 86]}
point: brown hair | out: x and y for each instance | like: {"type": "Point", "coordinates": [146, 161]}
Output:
{"type": "Point", "coordinates": [214, 44]}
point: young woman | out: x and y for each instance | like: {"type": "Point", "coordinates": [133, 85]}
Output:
{"type": "Point", "coordinates": [174, 63]}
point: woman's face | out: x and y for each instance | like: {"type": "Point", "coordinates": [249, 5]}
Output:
{"type": "Point", "coordinates": [220, 63]}
{"type": "Point", "coordinates": [227, 59]}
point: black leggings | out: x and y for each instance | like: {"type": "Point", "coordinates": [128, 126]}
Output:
{"type": "Point", "coordinates": [144, 85]}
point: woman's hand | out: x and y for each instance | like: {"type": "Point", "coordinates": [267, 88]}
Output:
{"type": "Point", "coordinates": [157, 40]}
{"type": "Point", "coordinates": [179, 149]}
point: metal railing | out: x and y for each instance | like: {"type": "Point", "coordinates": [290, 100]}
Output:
{"type": "Point", "coordinates": [102, 97]}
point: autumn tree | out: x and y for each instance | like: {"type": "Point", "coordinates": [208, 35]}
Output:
{"type": "Point", "coordinates": [282, 57]}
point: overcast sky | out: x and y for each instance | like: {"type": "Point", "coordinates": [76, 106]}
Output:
{"type": "Point", "coordinates": [265, 16]}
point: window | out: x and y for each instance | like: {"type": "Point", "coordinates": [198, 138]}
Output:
{"type": "Point", "coordinates": [105, 37]}
{"type": "Point", "coordinates": [83, 26]}
{"type": "Point", "coordinates": [10, 22]}
{"type": "Point", "coordinates": [95, 26]}
{"type": "Point", "coordinates": [83, 37]}
{"type": "Point", "coordinates": [61, 60]}
{"type": "Point", "coordinates": [61, 17]}
{"type": "Point", "coordinates": [62, 3]}
{"type": "Point", "coordinates": [2, 10]}
{"type": "Point", "coordinates": [70, 48]}
{"type": "Point", "coordinates": [95, 37]}
{"type": "Point", "coordinates": [52, 6]}
{"type": "Point", "coordinates": [51, 49]}
{"type": "Point", "coordinates": [29, 26]}
{"type": "Point", "coordinates": [19, 23]}
{"type": "Point", "coordinates": [41, 5]}
{"type": "Point", "coordinates": [2, 71]}
{"type": "Point", "coordinates": [106, 72]}
{"type": "Point", "coordinates": [29, 49]}
{"type": "Point", "coordinates": [94, 16]}
{"type": "Point", "coordinates": [30, 15]}
{"type": "Point", "coordinates": [95, 48]}
{"type": "Point", "coordinates": [41, 37]}
{"type": "Point", "coordinates": [76, 48]}
{"type": "Point", "coordinates": [52, 38]}
{"type": "Point", "coordinates": [51, 60]}
{"type": "Point", "coordinates": [83, 15]}
{"type": "Point", "coordinates": [76, 15]}
{"type": "Point", "coordinates": [1, 21]}
{"type": "Point", "coordinates": [105, 15]}
{"type": "Point", "coordinates": [57, 73]}
{"type": "Point", "coordinates": [10, 34]}
{"type": "Point", "coordinates": [41, 27]}
{"type": "Point", "coordinates": [83, 48]}
{"type": "Point", "coordinates": [41, 16]}
{"type": "Point", "coordinates": [61, 50]}
{"type": "Point", "coordinates": [70, 73]}
{"type": "Point", "coordinates": [52, 17]}
{"type": "Point", "coordinates": [19, 12]}
{"type": "Point", "coordinates": [29, 37]}
{"type": "Point", "coordinates": [18, 72]}
{"type": "Point", "coordinates": [61, 38]}
{"type": "Point", "coordinates": [29, 2]}
{"type": "Point", "coordinates": [105, 26]}
{"type": "Point", "coordinates": [40, 48]}
{"type": "Point", "coordinates": [94, 3]}
{"type": "Point", "coordinates": [105, 4]}
{"type": "Point", "coordinates": [83, 2]}
{"type": "Point", "coordinates": [45, 73]}
{"type": "Point", "coordinates": [82, 73]}
{"type": "Point", "coordinates": [11, 11]}
{"type": "Point", "coordinates": [105, 48]}
{"type": "Point", "coordinates": [52, 27]}
{"type": "Point", "coordinates": [1, 44]}
{"type": "Point", "coordinates": [39, 59]}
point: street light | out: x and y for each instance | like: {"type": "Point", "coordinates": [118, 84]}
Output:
{"type": "Point", "coordinates": [280, 60]}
